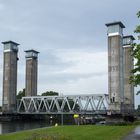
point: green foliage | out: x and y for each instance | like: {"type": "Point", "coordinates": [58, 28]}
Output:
{"type": "Point", "coordinates": [50, 93]}
{"type": "Point", "coordinates": [136, 123]}
{"type": "Point", "coordinates": [21, 94]}
{"type": "Point", "coordinates": [135, 79]}
{"type": "Point", "coordinates": [138, 110]}
{"type": "Point", "coordinates": [138, 14]}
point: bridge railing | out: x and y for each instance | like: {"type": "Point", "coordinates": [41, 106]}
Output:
{"type": "Point", "coordinates": [68, 104]}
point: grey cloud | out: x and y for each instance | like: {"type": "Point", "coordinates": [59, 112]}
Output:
{"type": "Point", "coordinates": [59, 78]}
{"type": "Point", "coordinates": [62, 24]}
{"type": "Point", "coordinates": [52, 62]}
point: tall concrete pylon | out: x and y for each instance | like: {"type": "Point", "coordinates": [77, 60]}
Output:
{"type": "Point", "coordinates": [31, 72]}
{"type": "Point", "coordinates": [128, 64]}
{"type": "Point", "coordinates": [10, 76]}
{"type": "Point", "coordinates": [115, 66]}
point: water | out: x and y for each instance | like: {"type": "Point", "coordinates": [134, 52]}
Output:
{"type": "Point", "coordinates": [8, 127]}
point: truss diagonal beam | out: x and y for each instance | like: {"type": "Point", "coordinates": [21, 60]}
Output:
{"type": "Point", "coordinates": [63, 104]}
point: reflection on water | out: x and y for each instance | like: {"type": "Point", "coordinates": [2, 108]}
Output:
{"type": "Point", "coordinates": [8, 127]}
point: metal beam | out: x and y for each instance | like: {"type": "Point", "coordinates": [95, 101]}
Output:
{"type": "Point", "coordinates": [67, 104]}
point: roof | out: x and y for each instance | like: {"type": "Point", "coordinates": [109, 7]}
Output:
{"type": "Point", "coordinates": [12, 42]}
{"type": "Point", "coordinates": [115, 23]}
{"type": "Point", "coordinates": [129, 36]}
{"type": "Point", "coordinates": [31, 50]}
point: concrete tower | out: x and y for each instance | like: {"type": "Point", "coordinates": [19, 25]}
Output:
{"type": "Point", "coordinates": [10, 76]}
{"type": "Point", "coordinates": [128, 66]}
{"type": "Point", "coordinates": [31, 72]}
{"type": "Point", "coordinates": [115, 66]}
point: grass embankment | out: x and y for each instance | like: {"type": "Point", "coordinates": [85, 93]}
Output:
{"type": "Point", "coordinates": [91, 132]}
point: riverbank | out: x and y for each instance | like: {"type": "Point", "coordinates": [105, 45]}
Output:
{"type": "Point", "coordinates": [85, 132]}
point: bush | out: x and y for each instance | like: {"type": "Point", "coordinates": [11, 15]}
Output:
{"type": "Point", "coordinates": [136, 123]}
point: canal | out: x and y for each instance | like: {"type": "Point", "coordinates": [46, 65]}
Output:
{"type": "Point", "coordinates": [9, 124]}
{"type": "Point", "coordinates": [8, 127]}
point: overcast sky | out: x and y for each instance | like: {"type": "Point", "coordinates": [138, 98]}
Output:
{"type": "Point", "coordinates": [71, 37]}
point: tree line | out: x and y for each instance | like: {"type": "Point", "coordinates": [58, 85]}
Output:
{"type": "Point", "coordinates": [21, 93]}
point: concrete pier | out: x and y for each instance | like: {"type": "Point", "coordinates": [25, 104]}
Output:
{"type": "Point", "coordinates": [31, 72]}
{"type": "Point", "coordinates": [128, 64]}
{"type": "Point", "coordinates": [9, 76]}
{"type": "Point", "coordinates": [115, 66]}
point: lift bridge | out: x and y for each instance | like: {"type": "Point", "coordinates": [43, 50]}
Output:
{"type": "Point", "coordinates": [67, 104]}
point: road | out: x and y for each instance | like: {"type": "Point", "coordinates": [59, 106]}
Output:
{"type": "Point", "coordinates": [134, 135]}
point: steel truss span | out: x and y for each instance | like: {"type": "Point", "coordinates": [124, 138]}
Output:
{"type": "Point", "coordinates": [70, 104]}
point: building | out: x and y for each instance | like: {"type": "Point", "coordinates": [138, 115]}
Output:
{"type": "Point", "coordinates": [10, 76]}
{"type": "Point", "coordinates": [31, 73]}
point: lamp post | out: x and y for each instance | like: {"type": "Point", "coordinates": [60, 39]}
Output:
{"type": "Point", "coordinates": [62, 117]}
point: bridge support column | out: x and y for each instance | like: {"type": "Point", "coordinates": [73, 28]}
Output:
{"type": "Point", "coordinates": [115, 66]}
{"type": "Point", "coordinates": [31, 72]}
{"type": "Point", "coordinates": [128, 63]}
{"type": "Point", "coordinates": [10, 77]}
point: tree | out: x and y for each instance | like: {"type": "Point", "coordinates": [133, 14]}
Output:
{"type": "Point", "coordinates": [138, 110]}
{"type": "Point", "coordinates": [50, 93]}
{"type": "Point", "coordinates": [21, 94]}
{"type": "Point", "coordinates": [135, 79]}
